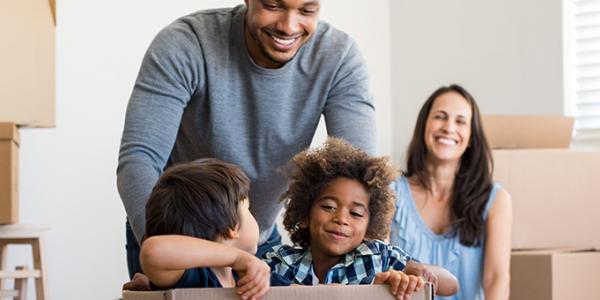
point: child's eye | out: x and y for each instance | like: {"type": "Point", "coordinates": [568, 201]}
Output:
{"type": "Point", "coordinates": [328, 207]}
{"type": "Point", "coordinates": [270, 6]}
{"type": "Point", "coordinates": [356, 214]}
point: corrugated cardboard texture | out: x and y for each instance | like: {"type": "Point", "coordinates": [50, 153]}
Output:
{"type": "Point", "coordinates": [9, 167]}
{"type": "Point", "coordinates": [322, 292]}
{"type": "Point", "coordinates": [27, 57]}
{"type": "Point", "coordinates": [554, 275]}
{"type": "Point", "coordinates": [556, 196]}
{"type": "Point", "coordinates": [527, 131]}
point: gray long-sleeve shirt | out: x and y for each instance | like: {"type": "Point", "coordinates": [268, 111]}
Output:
{"type": "Point", "coordinates": [199, 94]}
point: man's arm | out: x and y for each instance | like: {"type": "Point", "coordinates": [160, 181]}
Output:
{"type": "Point", "coordinates": [168, 77]}
{"type": "Point", "coordinates": [349, 111]}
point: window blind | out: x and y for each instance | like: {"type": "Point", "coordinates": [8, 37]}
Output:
{"type": "Point", "coordinates": [587, 72]}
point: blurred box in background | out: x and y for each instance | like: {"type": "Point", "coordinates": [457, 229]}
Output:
{"type": "Point", "coordinates": [527, 131]}
{"type": "Point", "coordinates": [555, 274]}
{"type": "Point", "coordinates": [27, 57]}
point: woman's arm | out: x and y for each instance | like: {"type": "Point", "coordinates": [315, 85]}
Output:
{"type": "Point", "coordinates": [496, 267]}
{"type": "Point", "coordinates": [444, 282]}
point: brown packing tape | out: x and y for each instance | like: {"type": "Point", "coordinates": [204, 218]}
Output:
{"type": "Point", "coordinates": [53, 10]}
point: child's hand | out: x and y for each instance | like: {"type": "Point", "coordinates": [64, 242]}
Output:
{"type": "Point", "coordinates": [139, 282]}
{"type": "Point", "coordinates": [402, 285]}
{"type": "Point", "coordinates": [255, 276]}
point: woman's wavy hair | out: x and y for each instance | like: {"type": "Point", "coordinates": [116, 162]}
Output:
{"type": "Point", "coordinates": [311, 171]}
{"type": "Point", "coordinates": [473, 181]}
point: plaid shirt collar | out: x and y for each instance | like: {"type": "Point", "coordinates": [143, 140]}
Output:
{"type": "Point", "coordinates": [304, 260]}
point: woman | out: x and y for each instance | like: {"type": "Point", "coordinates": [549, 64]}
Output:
{"type": "Point", "coordinates": [447, 205]}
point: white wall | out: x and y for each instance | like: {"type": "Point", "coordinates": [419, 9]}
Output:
{"type": "Point", "coordinates": [67, 174]}
{"type": "Point", "coordinates": [508, 54]}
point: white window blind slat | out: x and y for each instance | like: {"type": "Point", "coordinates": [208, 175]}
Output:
{"type": "Point", "coordinates": [587, 73]}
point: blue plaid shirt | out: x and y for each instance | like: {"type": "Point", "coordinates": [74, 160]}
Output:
{"type": "Point", "coordinates": [360, 266]}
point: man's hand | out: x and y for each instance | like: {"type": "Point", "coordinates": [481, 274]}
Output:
{"type": "Point", "coordinates": [140, 282]}
{"type": "Point", "coordinates": [255, 276]}
{"type": "Point", "coordinates": [402, 285]}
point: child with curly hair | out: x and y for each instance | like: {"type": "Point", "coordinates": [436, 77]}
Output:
{"type": "Point", "coordinates": [338, 209]}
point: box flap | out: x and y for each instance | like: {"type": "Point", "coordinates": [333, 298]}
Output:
{"type": "Point", "coordinates": [320, 292]}
{"type": "Point", "coordinates": [138, 295]}
{"type": "Point", "coordinates": [551, 251]}
{"type": "Point", "coordinates": [9, 131]}
{"type": "Point", "coordinates": [527, 131]}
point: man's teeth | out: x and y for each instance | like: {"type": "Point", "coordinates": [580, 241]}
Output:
{"type": "Point", "coordinates": [283, 41]}
{"type": "Point", "coordinates": [446, 141]}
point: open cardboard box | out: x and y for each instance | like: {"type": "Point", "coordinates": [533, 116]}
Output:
{"type": "Point", "coordinates": [9, 170]}
{"type": "Point", "coordinates": [527, 131]}
{"type": "Point", "coordinates": [555, 274]}
{"type": "Point", "coordinates": [27, 57]}
{"type": "Point", "coordinates": [321, 292]}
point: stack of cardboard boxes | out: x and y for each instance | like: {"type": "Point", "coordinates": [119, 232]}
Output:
{"type": "Point", "coordinates": [27, 86]}
{"type": "Point", "coordinates": [556, 206]}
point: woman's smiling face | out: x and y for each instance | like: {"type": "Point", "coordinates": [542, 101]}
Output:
{"type": "Point", "coordinates": [448, 128]}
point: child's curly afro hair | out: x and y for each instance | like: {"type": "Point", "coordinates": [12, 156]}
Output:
{"type": "Point", "coordinates": [312, 170]}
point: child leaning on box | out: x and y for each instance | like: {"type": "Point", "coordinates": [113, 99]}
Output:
{"type": "Point", "coordinates": [200, 233]}
{"type": "Point", "coordinates": [339, 207]}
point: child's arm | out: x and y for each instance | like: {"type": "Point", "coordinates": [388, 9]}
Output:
{"type": "Point", "coordinates": [444, 283]}
{"type": "Point", "coordinates": [164, 259]}
{"type": "Point", "coordinates": [401, 284]}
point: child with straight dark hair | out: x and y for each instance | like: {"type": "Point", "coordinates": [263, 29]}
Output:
{"type": "Point", "coordinates": [206, 199]}
{"type": "Point", "coordinates": [338, 210]}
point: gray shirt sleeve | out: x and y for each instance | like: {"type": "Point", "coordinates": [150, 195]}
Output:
{"type": "Point", "coordinates": [349, 111]}
{"type": "Point", "coordinates": [167, 79]}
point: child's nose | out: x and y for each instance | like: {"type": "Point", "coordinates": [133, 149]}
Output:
{"type": "Point", "coordinates": [340, 218]}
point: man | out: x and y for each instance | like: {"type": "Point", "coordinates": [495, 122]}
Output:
{"type": "Point", "coordinates": [246, 85]}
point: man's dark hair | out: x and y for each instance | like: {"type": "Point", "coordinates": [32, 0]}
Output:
{"type": "Point", "coordinates": [198, 198]}
{"type": "Point", "coordinates": [311, 171]}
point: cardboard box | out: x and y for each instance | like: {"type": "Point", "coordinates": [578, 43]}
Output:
{"type": "Point", "coordinates": [555, 275]}
{"type": "Point", "coordinates": [527, 131]}
{"type": "Point", "coordinates": [9, 167]}
{"type": "Point", "coordinates": [27, 57]}
{"type": "Point", "coordinates": [555, 195]}
{"type": "Point", "coordinates": [321, 292]}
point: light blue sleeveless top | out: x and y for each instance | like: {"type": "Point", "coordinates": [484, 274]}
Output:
{"type": "Point", "coordinates": [410, 233]}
